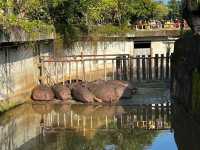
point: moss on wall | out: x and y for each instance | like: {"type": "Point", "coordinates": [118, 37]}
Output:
{"type": "Point", "coordinates": [8, 104]}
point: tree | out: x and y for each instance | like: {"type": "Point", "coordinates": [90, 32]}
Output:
{"type": "Point", "coordinates": [161, 11]}
{"type": "Point", "coordinates": [174, 9]}
{"type": "Point", "coordinates": [146, 9]}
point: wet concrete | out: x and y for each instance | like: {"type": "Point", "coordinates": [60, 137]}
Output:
{"type": "Point", "coordinates": [149, 92]}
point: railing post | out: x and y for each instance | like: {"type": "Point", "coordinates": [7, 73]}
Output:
{"type": "Point", "coordinates": [113, 71]}
{"type": "Point", "coordinates": [63, 77]}
{"type": "Point", "coordinates": [143, 67]}
{"type": "Point", "coordinates": [105, 72]}
{"type": "Point", "coordinates": [150, 67]}
{"type": "Point", "coordinates": [124, 77]}
{"type": "Point", "coordinates": [83, 63]}
{"type": "Point", "coordinates": [131, 68]}
{"type": "Point", "coordinates": [70, 74]}
{"type": "Point", "coordinates": [118, 68]}
{"type": "Point", "coordinates": [90, 63]}
{"type": "Point", "coordinates": [40, 67]}
{"type": "Point", "coordinates": [162, 67]}
{"type": "Point", "coordinates": [156, 66]}
{"type": "Point", "coordinates": [138, 67]}
{"type": "Point", "coordinates": [76, 70]}
{"type": "Point", "coordinates": [167, 66]}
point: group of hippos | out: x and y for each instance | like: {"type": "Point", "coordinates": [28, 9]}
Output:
{"type": "Point", "coordinates": [86, 92]}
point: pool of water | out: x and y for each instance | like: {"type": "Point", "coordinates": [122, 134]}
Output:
{"type": "Point", "coordinates": [87, 127]}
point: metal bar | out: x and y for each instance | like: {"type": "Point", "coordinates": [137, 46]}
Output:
{"type": "Point", "coordinates": [105, 72]}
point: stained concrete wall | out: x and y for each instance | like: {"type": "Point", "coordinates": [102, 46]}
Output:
{"type": "Point", "coordinates": [19, 67]}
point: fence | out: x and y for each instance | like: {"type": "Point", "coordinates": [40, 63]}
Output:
{"type": "Point", "coordinates": [104, 67]}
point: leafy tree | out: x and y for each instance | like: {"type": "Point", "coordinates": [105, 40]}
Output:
{"type": "Point", "coordinates": [174, 9]}
{"type": "Point", "coordinates": [146, 9]}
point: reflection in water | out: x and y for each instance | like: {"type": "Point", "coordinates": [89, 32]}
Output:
{"type": "Point", "coordinates": [63, 127]}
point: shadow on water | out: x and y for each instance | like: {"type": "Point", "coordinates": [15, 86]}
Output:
{"type": "Point", "coordinates": [89, 127]}
{"type": "Point", "coordinates": [186, 130]}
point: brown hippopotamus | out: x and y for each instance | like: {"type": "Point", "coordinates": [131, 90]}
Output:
{"type": "Point", "coordinates": [81, 93]}
{"type": "Point", "coordinates": [43, 92]}
{"type": "Point", "coordinates": [62, 92]}
{"type": "Point", "coordinates": [126, 84]}
{"type": "Point", "coordinates": [111, 91]}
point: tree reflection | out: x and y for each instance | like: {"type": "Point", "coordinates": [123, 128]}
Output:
{"type": "Point", "coordinates": [74, 127]}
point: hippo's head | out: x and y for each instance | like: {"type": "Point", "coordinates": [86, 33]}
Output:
{"type": "Point", "coordinates": [191, 12]}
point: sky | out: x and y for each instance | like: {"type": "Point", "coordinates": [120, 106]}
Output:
{"type": "Point", "coordinates": [165, 1]}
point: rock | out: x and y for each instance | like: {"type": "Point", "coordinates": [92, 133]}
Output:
{"type": "Point", "coordinates": [43, 93]}
{"type": "Point", "coordinates": [81, 93]}
{"type": "Point", "coordinates": [62, 92]}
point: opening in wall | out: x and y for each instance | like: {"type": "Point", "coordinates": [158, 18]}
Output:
{"type": "Point", "coordinates": [142, 44]}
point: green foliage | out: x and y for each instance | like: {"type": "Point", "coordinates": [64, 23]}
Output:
{"type": "Point", "coordinates": [26, 15]}
{"type": "Point", "coordinates": [147, 9]}
{"type": "Point", "coordinates": [174, 9]}
{"type": "Point", "coordinates": [110, 30]}
{"type": "Point", "coordinates": [73, 18]}
{"type": "Point", "coordinates": [27, 25]}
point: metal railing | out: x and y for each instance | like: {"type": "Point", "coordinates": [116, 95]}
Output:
{"type": "Point", "coordinates": [104, 67]}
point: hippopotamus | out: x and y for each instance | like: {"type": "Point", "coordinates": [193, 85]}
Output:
{"type": "Point", "coordinates": [99, 91]}
{"type": "Point", "coordinates": [81, 93]}
{"type": "Point", "coordinates": [127, 85]}
{"type": "Point", "coordinates": [62, 92]}
{"type": "Point", "coordinates": [111, 91]}
{"type": "Point", "coordinates": [43, 92]}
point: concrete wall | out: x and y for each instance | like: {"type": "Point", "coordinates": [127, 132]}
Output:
{"type": "Point", "coordinates": [19, 61]}
{"type": "Point", "coordinates": [159, 45]}
{"type": "Point", "coordinates": [19, 67]}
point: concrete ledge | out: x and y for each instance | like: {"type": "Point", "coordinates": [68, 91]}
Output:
{"type": "Point", "coordinates": [15, 34]}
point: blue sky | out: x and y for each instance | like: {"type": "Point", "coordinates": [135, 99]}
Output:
{"type": "Point", "coordinates": [165, 1]}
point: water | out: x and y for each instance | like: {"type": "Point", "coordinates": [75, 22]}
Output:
{"type": "Point", "coordinates": [82, 127]}
{"type": "Point", "coordinates": [128, 126]}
